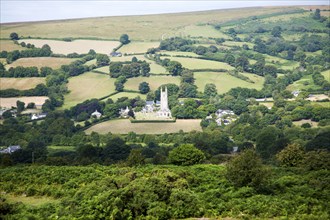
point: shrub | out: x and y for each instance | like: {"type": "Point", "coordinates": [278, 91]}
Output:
{"type": "Point", "coordinates": [186, 155]}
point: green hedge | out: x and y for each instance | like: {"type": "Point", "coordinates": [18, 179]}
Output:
{"type": "Point", "coordinates": [152, 121]}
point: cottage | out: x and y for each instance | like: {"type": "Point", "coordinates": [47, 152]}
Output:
{"type": "Point", "coordinates": [96, 114]}
{"type": "Point", "coordinates": [116, 54]}
{"type": "Point", "coordinates": [10, 149]}
{"type": "Point", "coordinates": [38, 116]}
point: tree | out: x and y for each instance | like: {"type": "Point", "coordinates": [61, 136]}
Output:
{"type": "Point", "coordinates": [317, 14]}
{"type": "Point", "coordinates": [187, 77]}
{"type": "Point", "coordinates": [291, 156]}
{"type": "Point", "coordinates": [144, 88]}
{"type": "Point", "coordinates": [174, 68]}
{"type": "Point", "coordinates": [115, 68]}
{"type": "Point", "coordinates": [20, 106]}
{"type": "Point", "coordinates": [242, 62]}
{"type": "Point", "coordinates": [102, 60]}
{"type": "Point", "coordinates": [186, 155]}
{"type": "Point", "coordinates": [210, 90]}
{"type": "Point", "coordinates": [124, 39]}
{"type": "Point", "coordinates": [14, 36]}
{"type": "Point", "coordinates": [246, 169]}
{"type": "Point", "coordinates": [135, 158]}
{"type": "Point", "coordinates": [276, 31]}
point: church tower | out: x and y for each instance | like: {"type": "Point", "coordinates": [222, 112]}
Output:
{"type": "Point", "coordinates": [164, 111]}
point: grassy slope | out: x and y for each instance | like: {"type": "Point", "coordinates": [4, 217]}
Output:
{"type": "Point", "coordinates": [130, 95]}
{"type": "Point", "coordinates": [53, 62]}
{"type": "Point", "coordinates": [8, 45]}
{"type": "Point", "coordinates": [86, 86]}
{"type": "Point", "coordinates": [138, 47]}
{"type": "Point", "coordinates": [306, 82]}
{"type": "Point", "coordinates": [224, 82]}
{"type": "Point", "coordinates": [9, 102]}
{"type": "Point", "coordinates": [326, 75]}
{"type": "Point", "coordinates": [20, 83]}
{"type": "Point", "coordinates": [125, 126]}
{"type": "Point", "coordinates": [148, 27]}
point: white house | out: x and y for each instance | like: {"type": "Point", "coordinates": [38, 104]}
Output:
{"type": "Point", "coordinates": [10, 149]}
{"type": "Point", "coordinates": [96, 114]}
{"type": "Point", "coordinates": [38, 116]}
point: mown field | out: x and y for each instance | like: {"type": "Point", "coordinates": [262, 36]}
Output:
{"type": "Point", "coordinates": [124, 126]}
{"type": "Point", "coordinates": [326, 75]}
{"type": "Point", "coordinates": [53, 62]}
{"type": "Point", "coordinates": [191, 63]}
{"type": "Point", "coordinates": [144, 28]}
{"type": "Point", "coordinates": [9, 102]}
{"type": "Point", "coordinates": [20, 83]}
{"type": "Point", "coordinates": [137, 47]}
{"type": "Point", "coordinates": [154, 82]}
{"type": "Point", "coordinates": [8, 45]}
{"type": "Point", "coordinates": [86, 86]}
{"type": "Point", "coordinates": [224, 82]}
{"type": "Point", "coordinates": [76, 46]}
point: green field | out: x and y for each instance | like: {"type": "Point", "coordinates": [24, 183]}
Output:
{"type": "Point", "coordinates": [235, 43]}
{"type": "Point", "coordinates": [224, 82]}
{"type": "Point", "coordinates": [179, 53]}
{"type": "Point", "coordinates": [54, 149]}
{"type": "Point", "coordinates": [137, 47]}
{"type": "Point", "coordinates": [143, 28]}
{"type": "Point", "coordinates": [124, 126]}
{"type": "Point", "coordinates": [129, 95]}
{"type": "Point", "coordinates": [87, 86]}
{"type": "Point", "coordinates": [326, 75]}
{"type": "Point", "coordinates": [192, 63]}
{"type": "Point", "coordinates": [21, 83]}
{"type": "Point", "coordinates": [103, 69]}
{"type": "Point", "coordinates": [305, 83]}
{"type": "Point", "coordinates": [53, 62]}
{"type": "Point", "coordinates": [11, 102]}
{"type": "Point", "coordinates": [154, 82]}
{"type": "Point", "coordinates": [202, 31]}
{"type": "Point", "coordinates": [30, 200]}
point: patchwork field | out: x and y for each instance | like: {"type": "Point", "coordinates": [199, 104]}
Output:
{"type": "Point", "coordinates": [137, 47]}
{"type": "Point", "coordinates": [281, 63]}
{"type": "Point", "coordinates": [235, 43]}
{"type": "Point", "coordinates": [192, 63]}
{"type": "Point", "coordinates": [53, 62]}
{"type": "Point", "coordinates": [20, 83]}
{"type": "Point", "coordinates": [77, 46]}
{"type": "Point", "coordinates": [87, 86]}
{"type": "Point", "coordinates": [124, 126]}
{"type": "Point", "coordinates": [9, 102]}
{"type": "Point", "coordinates": [223, 81]}
{"type": "Point", "coordinates": [129, 95]}
{"type": "Point", "coordinates": [148, 27]}
{"type": "Point", "coordinates": [103, 69]}
{"type": "Point", "coordinates": [8, 45]}
{"type": "Point", "coordinates": [154, 82]}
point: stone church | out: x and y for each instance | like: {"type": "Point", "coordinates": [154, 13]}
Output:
{"type": "Point", "coordinates": [164, 111]}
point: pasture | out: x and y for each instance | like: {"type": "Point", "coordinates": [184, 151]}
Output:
{"type": "Point", "coordinates": [103, 69]}
{"type": "Point", "coordinates": [137, 47]}
{"type": "Point", "coordinates": [304, 121]}
{"type": "Point", "coordinates": [8, 45]}
{"type": "Point", "coordinates": [21, 83]}
{"type": "Point", "coordinates": [53, 62]}
{"type": "Point", "coordinates": [191, 63]}
{"type": "Point", "coordinates": [326, 74]}
{"type": "Point", "coordinates": [154, 82]}
{"type": "Point", "coordinates": [10, 102]}
{"type": "Point", "coordinates": [124, 126]}
{"type": "Point", "coordinates": [204, 31]}
{"type": "Point", "coordinates": [305, 83]}
{"type": "Point", "coordinates": [143, 28]}
{"type": "Point", "coordinates": [129, 95]}
{"type": "Point", "coordinates": [179, 53]}
{"type": "Point", "coordinates": [76, 46]}
{"type": "Point", "coordinates": [87, 86]}
{"type": "Point", "coordinates": [223, 81]}
{"type": "Point", "coordinates": [239, 44]}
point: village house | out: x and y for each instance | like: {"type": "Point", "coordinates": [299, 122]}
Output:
{"type": "Point", "coordinates": [38, 116]}
{"type": "Point", "coordinates": [96, 114]}
{"type": "Point", "coordinates": [10, 149]}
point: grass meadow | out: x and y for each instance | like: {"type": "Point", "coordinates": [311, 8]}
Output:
{"type": "Point", "coordinates": [326, 75]}
{"type": "Point", "coordinates": [305, 83]}
{"type": "Point", "coordinates": [87, 86]}
{"type": "Point", "coordinates": [223, 81]}
{"type": "Point", "coordinates": [204, 31]}
{"type": "Point", "coordinates": [124, 126]}
{"type": "Point", "coordinates": [31, 201]}
{"type": "Point", "coordinates": [53, 62]}
{"type": "Point", "coordinates": [21, 83]}
{"type": "Point", "coordinates": [9, 102]}
{"type": "Point", "coordinates": [154, 82]}
{"type": "Point", "coordinates": [76, 46]}
{"type": "Point", "coordinates": [191, 63]}
{"type": "Point", "coordinates": [179, 53]}
{"type": "Point", "coordinates": [129, 95]}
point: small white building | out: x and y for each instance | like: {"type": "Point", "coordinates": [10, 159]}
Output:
{"type": "Point", "coordinates": [124, 112]}
{"type": "Point", "coordinates": [96, 114]}
{"type": "Point", "coordinates": [295, 93]}
{"type": "Point", "coordinates": [10, 149]}
{"type": "Point", "coordinates": [38, 116]}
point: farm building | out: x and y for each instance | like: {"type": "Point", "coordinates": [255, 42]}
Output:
{"type": "Point", "coordinates": [10, 149]}
{"type": "Point", "coordinates": [96, 114]}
